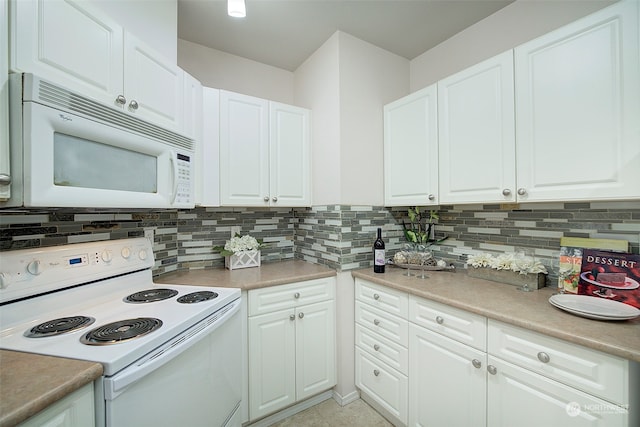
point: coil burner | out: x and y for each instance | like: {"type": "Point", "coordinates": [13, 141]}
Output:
{"type": "Point", "coordinates": [121, 331]}
{"type": "Point", "coordinates": [196, 297]}
{"type": "Point", "coordinates": [150, 295]}
{"type": "Point", "coordinates": [59, 326]}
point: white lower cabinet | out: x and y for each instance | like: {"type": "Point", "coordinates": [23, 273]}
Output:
{"type": "Point", "coordinates": [74, 410]}
{"type": "Point", "coordinates": [291, 344]}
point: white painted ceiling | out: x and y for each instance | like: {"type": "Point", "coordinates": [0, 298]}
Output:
{"type": "Point", "coordinates": [284, 33]}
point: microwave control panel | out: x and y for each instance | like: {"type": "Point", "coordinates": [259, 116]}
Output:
{"type": "Point", "coordinates": [183, 188]}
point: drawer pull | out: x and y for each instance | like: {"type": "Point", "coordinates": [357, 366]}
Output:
{"type": "Point", "coordinates": [376, 372]}
{"type": "Point", "coordinates": [292, 317]}
{"type": "Point", "coordinates": [301, 315]}
{"type": "Point", "coordinates": [492, 369]}
{"type": "Point", "coordinates": [543, 357]}
{"type": "Point", "coordinates": [296, 295]}
{"type": "Point", "coordinates": [376, 347]}
{"type": "Point", "coordinates": [439, 320]}
{"type": "Point", "coordinates": [376, 322]}
{"type": "Point", "coordinates": [476, 363]}
{"type": "Point", "coordinates": [376, 297]}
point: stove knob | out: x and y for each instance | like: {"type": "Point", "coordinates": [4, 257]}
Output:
{"type": "Point", "coordinates": [125, 252]}
{"type": "Point", "coordinates": [142, 254]}
{"type": "Point", "coordinates": [5, 280]}
{"type": "Point", "coordinates": [34, 267]}
{"type": "Point", "coordinates": [106, 256]}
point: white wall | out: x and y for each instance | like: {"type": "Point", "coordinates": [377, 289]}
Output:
{"type": "Point", "coordinates": [153, 21]}
{"type": "Point", "coordinates": [222, 70]}
{"type": "Point", "coordinates": [509, 27]}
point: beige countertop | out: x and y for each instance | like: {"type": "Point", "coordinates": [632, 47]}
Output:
{"type": "Point", "coordinates": [530, 310]}
{"type": "Point", "coordinates": [31, 382]}
{"type": "Point", "coordinates": [270, 274]}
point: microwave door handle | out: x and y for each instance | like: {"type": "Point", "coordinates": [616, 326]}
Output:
{"type": "Point", "coordinates": [174, 169]}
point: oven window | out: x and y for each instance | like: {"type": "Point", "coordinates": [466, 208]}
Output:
{"type": "Point", "coordinates": [83, 163]}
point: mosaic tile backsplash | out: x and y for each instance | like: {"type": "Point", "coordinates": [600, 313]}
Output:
{"type": "Point", "coordinates": [339, 236]}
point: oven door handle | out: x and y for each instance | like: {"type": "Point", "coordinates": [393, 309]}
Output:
{"type": "Point", "coordinates": [117, 384]}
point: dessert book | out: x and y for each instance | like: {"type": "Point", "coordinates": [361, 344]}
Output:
{"type": "Point", "coordinates": [611, 275]}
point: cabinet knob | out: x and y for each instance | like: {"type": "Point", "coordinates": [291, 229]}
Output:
{"type": "Point", "coordinates": [376, 297]}
{"type": "Point", "coordinates": [301, 315]}
{"type": "Point", "coordinates": [376, 322]}
{"type": "Point", "coordinates": [292, 317]}
{"type": "Point", "coordinates": [476, 363]}
{"type": "Point", "coordinates": [120, 99]}
{"type": "Point", "coordinates": [492, 369]}
{"type": "Point", "coordinates": [543, 357]}
{"type": "Point", "coordinates": [296, 295]}
{"type": "Point", "coordinates": [266, 198]}
{"type": "Point", "coordinates": [431, 197]}
{"type": "Point", "coordinates": [506, 192]}
{"type": "Point", "coordinates": [5, 179]}
{"type": "Point", "coordinates": [439, 320]}
{"type": "Point", "coordinates": [376, 372]}
{"type": "Point", "coordinates": [522, 191]}
{"type": "Point", "coordinates": [376, 347]}
{"type": "Point", "coordinates": [133, 105]}
{"type": "Point", "coordinates": [275, 199]}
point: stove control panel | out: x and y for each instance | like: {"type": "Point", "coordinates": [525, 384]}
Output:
{"type": "Point", "coordinates": [29, 272]}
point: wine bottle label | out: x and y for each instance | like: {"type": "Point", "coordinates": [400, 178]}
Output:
{"type": "Point", "coordinates": [378, 255]}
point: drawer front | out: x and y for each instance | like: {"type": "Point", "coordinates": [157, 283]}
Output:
{"type": "Point", "coordinates": [588, 370]}
{"type": "Point", "coordinates": [281, 297]}
{"type": "Point", "coordinates": [384, 384]}
{"type": "Point", "coordinates": [382, 297]}
{"type": "Point", "coordinates": [462, 326]}
{"type": "Point", "coordinates": [382, 348]}
{"type": "Point", "coordinates": [389, 326]}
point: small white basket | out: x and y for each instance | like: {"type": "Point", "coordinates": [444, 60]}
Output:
{"type": "Point", "coordinates": [242, 259]}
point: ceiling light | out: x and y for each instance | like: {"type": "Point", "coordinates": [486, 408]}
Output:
{"type": "Point", "coordinates": [236, 8]}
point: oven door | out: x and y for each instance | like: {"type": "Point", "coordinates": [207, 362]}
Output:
{"type": "Point", "coordinates": [193, 380]}
{"type": "Point", "coordinates": [73, 161]}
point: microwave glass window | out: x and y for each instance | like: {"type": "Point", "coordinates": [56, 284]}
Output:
{"type": "Point", "coordinates": [83, 163]}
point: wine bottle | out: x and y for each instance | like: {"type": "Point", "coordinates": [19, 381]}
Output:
{"type": "Point", "coordinates": [378, 254]}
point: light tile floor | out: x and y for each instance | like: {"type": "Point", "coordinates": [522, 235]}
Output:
{"type": "Point", "coordinates": [330, 414]}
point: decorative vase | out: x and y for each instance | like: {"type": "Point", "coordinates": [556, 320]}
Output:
{"type": "Point", "coordinates": [243, 259]}
{"type": "Point", "coordinates": [533, 281]}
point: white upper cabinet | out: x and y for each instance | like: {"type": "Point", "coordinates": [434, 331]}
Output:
{"type": "Point", "coordinates": [264, 152]}
{"type": "Point", "coordinates": [578, 109]}
{"type": "Point", "coordinates": [411, 150]}
{"type": "Point", "coordinates": [208, 151]}
{"type": "Point", "coordinates": [71, 43]}
{"type": "Point", "coordinates": [476, 143]}
{"type": "Point", "coordinates": [5, 167]}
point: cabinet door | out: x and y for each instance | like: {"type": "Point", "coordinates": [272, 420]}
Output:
{"type": "Point", "coordinates": [73, 410]}
{"type": "Point", "coordinates": [411, 150]}
{"type": "Point", "coordinates": [5, 170]}
{"type": "Point", "coordinates": [517, 397]}
{"type": "Point", "coordinates": [272, 362]}
{"type": "Point", "coordinates": [315, 349]}
{"type": "Point", "coordinates": [476, 143]}
{"type": "Point", "coordinates": [577, 109]}
{"type": "Point", "coordinates": [153, 86]}
{"type": "Point", "coordinates": [69, 43]}
{"type": "Point", "coordinates": [447, 385]}
{"type": "Point", "coordinates": [290, 159]}
{"type": "Point", "coordinates": [208, 151]}
{"type": "Point", "coordinates": [244, 150]}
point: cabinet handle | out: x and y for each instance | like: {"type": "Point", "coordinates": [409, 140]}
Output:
{"type": "Point", "coordinates": [476, 363]}
{"type": "Point", "coordinates": [522, 191]}
{"type": "Point", "coordinates": [376, 347]}
{"type": "Point", "coordinates": [301, 315]}
{"type": "Point", "coordinates": [376, 297]}
{"type": "Point", "coordinates": [292, 317]}
{"type": "Point", "coordinates": [296, 295]}
{"type": "Point", "coordinates": [431, 197]}
{"type": "Point", "coordinates": [439, 320]}
{"type": "Point", "coordinates": [275, 199]}
{"type": "Point", "coordinates": [492, 369]}
{"type": "Point", "coordinates": [506, 192]}
{"type": "Point", "coordinates": [266, 198]}
{"type": "Point", "coordinates": [120, 99]}
{"type": "Point", "coordinates": [376, 322]}
{"type": "Point", "coordinates": [543, 357]}
{"type": "Point", "coordinates": [376, 372]}
{"type": "Point", "coordinates": [5, 179]}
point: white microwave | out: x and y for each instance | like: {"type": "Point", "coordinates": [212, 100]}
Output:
{"type": "Point", "coordinates": [70, 151]}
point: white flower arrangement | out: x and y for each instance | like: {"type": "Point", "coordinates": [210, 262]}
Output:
{"type": "Point", "coordinates": [240, 243]}
{"type": "Point", "coordinates": [511, 262]}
